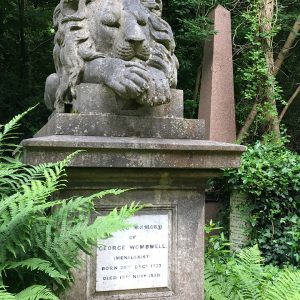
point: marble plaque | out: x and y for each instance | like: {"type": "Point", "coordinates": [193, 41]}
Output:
{"type": "Point", "coordinates": [136, 258]}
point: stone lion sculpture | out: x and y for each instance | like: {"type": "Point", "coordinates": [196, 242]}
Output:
{"type": "Point", "coordinates": [123, 44]}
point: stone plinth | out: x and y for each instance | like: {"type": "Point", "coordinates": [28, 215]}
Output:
{"type": "Point", "coordinates": [168, 174]}
{"type": "Point", "coordinates": [97, 98]}
{"type": "Point", "coordinates": [122, 126]}
{"type": "Point", "coordinates": [113, 152]}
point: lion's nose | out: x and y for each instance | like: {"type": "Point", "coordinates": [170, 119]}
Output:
{"type": "Point", "coordinates": [135, 43]}
{"type": "Point", "coordinates": [135, 35]}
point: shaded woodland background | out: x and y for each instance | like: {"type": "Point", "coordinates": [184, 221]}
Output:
{"type": "Point", "coordinates": [26, 42]}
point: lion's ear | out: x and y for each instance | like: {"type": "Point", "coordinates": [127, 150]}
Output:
{"type": "Point", "coordinates": [57, 16]}
{"type": "Point", "coordinates": [69, 7]}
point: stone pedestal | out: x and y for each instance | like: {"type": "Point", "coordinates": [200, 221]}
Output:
{"type": "Point", "coordinates": [168, 174]}
{"type": "Point", "coordinates": [176, 195]}
{"type": "Point", "coordinates": [166, 164]}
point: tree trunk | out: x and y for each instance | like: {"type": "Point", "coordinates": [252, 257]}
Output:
{"type": "Point", "coordinates": [197, 84]}
{"type": "Point", "coordinates": [23, 45]}
{"type": "Point", "coordinates": [266, 26]}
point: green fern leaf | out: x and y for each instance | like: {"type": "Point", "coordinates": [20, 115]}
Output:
{"type": "Point", "coordinates": [285, 287]}
{"type": "Point", "coordinates": [37, 264]}
{"type": "Point", "coordinates": [8, 128]}
{"type": "Point", "coordinates": [4, 295]}
{"type": "Point", "coordinates": [36, 292]}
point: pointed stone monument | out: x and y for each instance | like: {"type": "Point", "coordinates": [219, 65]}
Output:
{"type": "Point", "coordinates": [217, 90]}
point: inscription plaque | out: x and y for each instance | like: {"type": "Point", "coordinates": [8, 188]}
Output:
{"type": "Point", "coordinates": [136, 258]}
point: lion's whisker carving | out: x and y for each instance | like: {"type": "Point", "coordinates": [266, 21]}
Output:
{"type": "Point", "coordinates": [95, 39]}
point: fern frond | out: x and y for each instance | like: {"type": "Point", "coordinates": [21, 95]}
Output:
{"type": "Point", "coordinates": [4, 295]}
{"type": "Point", "coordinates": [17, 222]}
{"type": "Point", "coordinates": [104, 227]}
{"type": "Point", "coordinates": [13, 124]}
{"type": "Point", "coordinates": [36, 292]}
{"type": "Point", "coordinates": [249, 283]}
{"type": "Point", "coordinates": [37, 264]}
{"type": "Point", "coordinates": [213, 285]}
{"type": "Point", "coordinates": [68, 230]}
{"type": "Point", "coordinates": [114, 192]}
{"type": "Point", "coordinates": [285, 287]}
{"type": "Point", "coordinates": [250, 257]}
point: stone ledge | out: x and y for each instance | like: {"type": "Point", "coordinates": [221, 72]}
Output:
{"type": "Point", "coordinates": [113, 152]}
{"type": "Point", "coordinates": [122, 126]}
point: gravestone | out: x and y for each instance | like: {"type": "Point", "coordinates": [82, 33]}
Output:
{"type": "Point", "coordinates": [113, 95]}
{"type": "Point", "coordinates": [239, 220]}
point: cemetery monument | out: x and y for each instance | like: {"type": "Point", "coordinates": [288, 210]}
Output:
{"type": "Point", "coordinates": [114, 95]}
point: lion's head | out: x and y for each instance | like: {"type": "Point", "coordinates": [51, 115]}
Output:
{"type": "Point", "coordinates": [98, 36]}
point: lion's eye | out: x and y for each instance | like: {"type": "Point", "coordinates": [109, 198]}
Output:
{"type": "Point", "coordinates": [112, 24]}
{"type": "Point", "coordinates": [142, 22]}
{"type": "Point", "coordinates": [110, 21]}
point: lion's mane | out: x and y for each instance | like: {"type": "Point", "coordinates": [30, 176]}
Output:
{"type": "Point", "coordinates": [74, 47]}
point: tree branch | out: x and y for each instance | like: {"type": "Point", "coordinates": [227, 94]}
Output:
{"type": "Point", "coordinates": [296, 93]}
{"type": "Point", "coordinates": [287, 46]}
{"type": "Point", "coordinates": [41, 44]}
{"type": "Point", "coordinates": [197, 84]}
{"type": "Point", "coordinates": [248, 123]}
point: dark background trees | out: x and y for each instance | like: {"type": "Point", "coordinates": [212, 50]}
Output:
{"type": "Point", "coordinates": [26, 42]}
{"type": "Point", "coordinates": [26, 36]}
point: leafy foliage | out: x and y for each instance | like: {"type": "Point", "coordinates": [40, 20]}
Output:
{"type": "Point", "coordinates": [245, 277]}
{"type": "Point", "coordinates": [191, 26]}
{"type": "Point", "coordinates": [40, 237]}
{"type": "Point", "coordinates": [216, 243]}
{"type": "Point", "coordinates": [33, 292]}
{"type": "Point", "coordinates": [270, 175]}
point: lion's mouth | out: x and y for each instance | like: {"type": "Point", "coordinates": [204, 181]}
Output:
{"type": "Point", "coordinates": [128, 53]}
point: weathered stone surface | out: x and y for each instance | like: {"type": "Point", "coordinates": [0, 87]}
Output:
{"type": "Point", "coordinates": [123, 45]}
{"type": "Point", "coordinates": [217, 93]}
{"type": "Point", "coordinates": [96, 98]}
{"type": "Point", "coordinates": [133, 152]}
{"type": "Point", "coordinates": [115, 67]}
{"type": "Point", "coordinates": [239, 224]}
{"type": "Point", "coordinates": [122, 126]}
{"type": "Point", "coordinates": [169, 174]}
{"type": "Point", "coordinates": [176, 193]}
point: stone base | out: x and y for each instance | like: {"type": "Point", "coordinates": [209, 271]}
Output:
{"type": "Point", "coordinates": [168, 174]}
{"type": "Point", "coordinates": [178, 194]}
{"type": "Point", "coordinates": [122, 126]}
{"type": "Point", "coordinates": [114, 152]}
{"type": "Point", "coordinates": [170, 177]}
